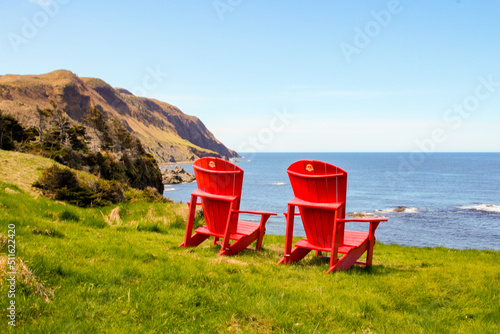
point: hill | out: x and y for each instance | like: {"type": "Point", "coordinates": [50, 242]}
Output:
{"type": "Point", "coordinates": [165, 131]}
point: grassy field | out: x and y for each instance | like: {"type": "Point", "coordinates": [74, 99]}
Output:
{"type": "Point", "coordinates": [118, 269]}
{"type": "Point", "coordinates": [22, 169]}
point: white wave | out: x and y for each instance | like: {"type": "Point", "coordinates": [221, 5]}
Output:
{"type": "Point", "coordinates": [384, 210]}
{"type": "Point", "coordinates": [411, 210]}
{"type": "Point", "coordinates": [169, 189]}
{"type": "Point", "coordinates": [278, 183]}
{"type": "Point", "coordinates": [399, 209]}
{"type": "Point", "coordinates": [481, 207]}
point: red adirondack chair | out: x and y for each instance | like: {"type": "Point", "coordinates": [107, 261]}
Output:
{"type": "Point", "coordinates": [320, 195]}
{"type": "Point", "coordinates": [219, 188]}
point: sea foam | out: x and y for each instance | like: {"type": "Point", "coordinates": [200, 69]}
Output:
{"type": "Point", "coordinates": [383, 212]}
{"type": "Point", "coordinates": [481, 207]}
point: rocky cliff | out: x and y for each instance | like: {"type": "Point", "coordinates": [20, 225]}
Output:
{"type": "Point", "coordinates": [177, 175]}
{"type": "Point", "coordinates": [165, 131]}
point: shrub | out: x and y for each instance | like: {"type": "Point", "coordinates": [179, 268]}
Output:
{"type": "Point", "coordinates": [63, 184]}
{"type": "Point", "coordinates": [55, 178]}
{"type": "Point", "coordinates": [79, 196]}
{"type": "Point", "coordinates": [12, 134]}
{"type": "Point", "coordinates": [148, 194]}
{"type": "Point", "coordinates": [143, 172]}
{"type": "Point", "coordinates": [108, 192]}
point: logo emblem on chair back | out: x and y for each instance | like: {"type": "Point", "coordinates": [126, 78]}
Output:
{"type": "Point", "coordinates": [211, 164]}
{"type": "Point", "coordinates": [309, 168]}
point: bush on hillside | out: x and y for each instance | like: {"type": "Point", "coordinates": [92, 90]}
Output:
{"type": "Point", "coordinates": [13, 134]}
{"type": "Point", "coordinates": [107, 192]}
{"type": "Point", "coordinates": [63, 184]}
{"type": "Point", "coordinates": [140, 172]}
{"type": "Point", "coordinates": [143, 172]}
{"type": "Point", "coordinates": [148, 194]}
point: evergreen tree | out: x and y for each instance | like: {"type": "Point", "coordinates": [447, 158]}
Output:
{"type": "Point", "coordinates": [77, 138]}
{"type": "Point", "coordinates": [11, 132]}
{"type": "Point", "coordinates": [95, 119]}
{"type": "Point", "coordinates": [42, 117]}
{"type": "Point", "coordinates": [61, 121]}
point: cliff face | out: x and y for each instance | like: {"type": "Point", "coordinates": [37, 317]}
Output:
{"type": "Point", "coordinates": [166, 132]}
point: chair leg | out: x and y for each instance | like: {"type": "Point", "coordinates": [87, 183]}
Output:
{"type": "Point", "coordinates": [216, 239]}
{"type": "Point", "coordinates": [260, 238]}
{"type": "Point", "coordinates": [349, 259]}
{"type": "Point", "coordinates": [195, 240]}
{"type": "Point", "coordinates": [239, 245]}
{"type": "Point", "coordinates": [289, 233]}
{"type": "Point", "coordinates": [296, 254]}
{"type": "Point", "coordinates": [262, 231]}
{"type": "Point", "coordinates": [227, 234]}
{"type": "Point", "coordinates": [371, 243]}
{"type": "Point", "coordinates": [189, 224]}
{"type": "Point", "coordinates": [369, 253]}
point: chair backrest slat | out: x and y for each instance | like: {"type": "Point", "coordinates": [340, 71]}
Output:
{"type": "Point", "coordinates": [218, 177]}
{"type": "Point", "coordinates": [319, 182]}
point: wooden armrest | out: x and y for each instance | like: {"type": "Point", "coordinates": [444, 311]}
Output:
{"type": "Point", "coordinates": [256, 212]}
{"type": "Point", "coordinates": [362, 220]}
{"type": "Point", "coordinates": [228, 198]}
{"type": "Point", "coordinates": [295, 213]}
{"type": "Point", "coordinates": [326, 206]}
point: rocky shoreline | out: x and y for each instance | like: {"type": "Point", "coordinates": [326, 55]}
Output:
{"type": "Point", "coordinates": [176, 175]}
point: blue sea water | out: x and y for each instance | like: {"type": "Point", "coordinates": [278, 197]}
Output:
{"type": "Point", "coordinates": [450, 199]}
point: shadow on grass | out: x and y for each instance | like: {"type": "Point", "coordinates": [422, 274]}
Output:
{"type": "Point", "coordinates": [48, 232]}
{"type": "Point", "coordinates": [313, 263]}
{"type": "Point", "coordinates": [323, 262]}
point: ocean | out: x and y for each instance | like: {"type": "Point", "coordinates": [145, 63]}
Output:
{"type": "Point", "coordinates": [443, 199]}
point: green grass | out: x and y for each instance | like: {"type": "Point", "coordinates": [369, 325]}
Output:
{"type": "Point", "coordinates": [118, 269]}
{"type": "Point", "coordinates": [127, 274]}
{"type": "Point", "coordinates": [22, 169]}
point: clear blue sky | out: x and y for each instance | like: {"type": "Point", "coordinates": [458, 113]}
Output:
{"type": "Point", "coordinates": [284, 75]}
